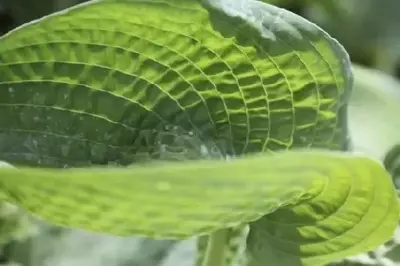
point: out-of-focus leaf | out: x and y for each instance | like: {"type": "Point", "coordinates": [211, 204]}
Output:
{"type": "Point", "coordinates": [367, 28]}
{"type": "Point", "coordinates": [374, 110]}
{"type": "Point", "coordinates": [374, 126]}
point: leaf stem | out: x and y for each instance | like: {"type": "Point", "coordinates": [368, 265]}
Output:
{"type": "Point", "coordinates": [215, 252]}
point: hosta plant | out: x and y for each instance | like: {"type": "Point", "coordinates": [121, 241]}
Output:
{"type": "Point", "coordinates": [180, 118]}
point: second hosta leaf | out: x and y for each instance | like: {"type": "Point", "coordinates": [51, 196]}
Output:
{"type": "Point", "coordinates": [334, 223]}
{"type": "Point", "coordinates": [321, 206]}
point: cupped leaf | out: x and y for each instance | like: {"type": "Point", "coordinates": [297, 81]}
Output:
{"type": "Point", "coordinates": [333, 224]}
{"type": "Point", "coordinates": [101, 81]}
{"type": "Point", "coordinates": [318, 191]}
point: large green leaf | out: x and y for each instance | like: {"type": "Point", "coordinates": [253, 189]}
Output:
{"type": "Point", "coordinates": [323, 211]}
{"type": "Point", "coordinates": [110, 87]}
{"type": "Point", "coordinates": [302, 230]}
{"type": "Point", "coordinates": [119, 82]}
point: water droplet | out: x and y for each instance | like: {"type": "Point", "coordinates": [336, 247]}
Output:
{"type": "Point", "coordinates": [31, 144]}
{"type": "Point", "coordinates": [65, 150]}
{"type": "Point", "coordinates": [38, 98]}
{"type": "Point", "coordinates": [163, 148]}
{"type": "Point", "coordinates": [98, 151]}
{"type": "Point", "coordinates": [203, 150]}
{"type": "Point", "coordinates": [215, 150]}
{"type": "Point", "coordinates": [35, 143]}
{"type": "Point", "coordinates": [108, 136]}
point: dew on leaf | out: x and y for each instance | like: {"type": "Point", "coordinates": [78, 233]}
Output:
{"type": "Point", "coordinates": [98, 151]}
{"type": "Point", "coordinates": [65, 149]}
{"type": "Point", "coordinates": [38, 98]}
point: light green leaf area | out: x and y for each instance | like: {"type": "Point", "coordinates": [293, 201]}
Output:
{"type": "Point", "coordinates": [318, 209]}
{"type": "Point", "coordinates": [332, 224]}
{"type": "Point", "coordinates": [120, 82]}
{"type": "Point", "coordinates": [373, 107]}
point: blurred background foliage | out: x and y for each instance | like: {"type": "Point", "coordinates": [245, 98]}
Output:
{"type": "Point", "coordinates": [369, 30]}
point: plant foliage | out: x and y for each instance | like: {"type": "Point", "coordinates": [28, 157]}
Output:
{"type": "Point", "coordinates": [113, 90]}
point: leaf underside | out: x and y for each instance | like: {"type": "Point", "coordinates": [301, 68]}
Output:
{"type": "Point", "coordinates": [122, 82]}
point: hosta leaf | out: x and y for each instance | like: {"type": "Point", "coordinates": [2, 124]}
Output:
{"type": "Point", "coordinates": [104, 80]}
{"type": "Point", "coordinates": [330, 225]}
{"type": "Point", "coordinates": [119, 82]}
{"type": "Point", "coordinates": [322, 213]}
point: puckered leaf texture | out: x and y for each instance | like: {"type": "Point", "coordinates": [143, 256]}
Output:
{"type": "Point", "coordinates": [116, 82]}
